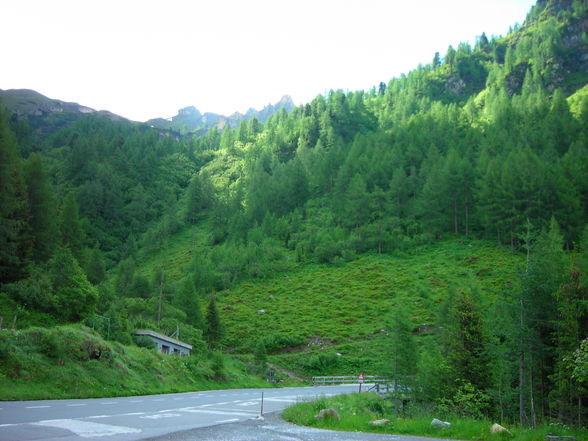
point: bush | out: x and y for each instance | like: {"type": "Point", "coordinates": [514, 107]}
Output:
{"type": "Point", "coordinates": [144, 342]}
{"type": "Point", "coordinates": [218, 366]}
{"type": "Point", "coordinates": [275, 342]}
{"type": "Point", "coordinates": [321, 363]}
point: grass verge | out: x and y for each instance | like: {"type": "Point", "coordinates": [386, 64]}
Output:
{"type": "Point", "coordinates": [356, 411]}
{"type": "Point", "coordinates": [75, 362]}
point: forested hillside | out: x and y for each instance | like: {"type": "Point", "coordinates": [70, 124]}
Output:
{"type": "Point", "coordinates": [488, 142]}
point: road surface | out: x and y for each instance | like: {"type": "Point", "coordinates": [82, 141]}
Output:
{"type": "Point", "coordinates": [142, 417]}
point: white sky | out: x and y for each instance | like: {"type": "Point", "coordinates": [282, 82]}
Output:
{"type": "Point", "coordinates": [147, 58]}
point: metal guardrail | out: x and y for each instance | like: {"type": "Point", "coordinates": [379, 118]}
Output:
{"type": "Point", "coordinates": [348, 379]}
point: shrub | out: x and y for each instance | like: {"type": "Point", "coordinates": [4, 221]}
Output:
{"type": "Point", "coordinates": [144, 342]}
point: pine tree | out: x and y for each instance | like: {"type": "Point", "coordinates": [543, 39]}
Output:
{"type": "Point", "coordinates": [214, 330]}
{"type": "Point", "coordinates": [15, 243]}
{"type": "Point", "coordinates": [402, 354]}
{"type": "Point", "coordinates": [187, 300]}
{"type": "Point", "coordinates": [466, 344]}
{"type": "Point", "coordinates": [43, 216]}
{"type": "Point", "coordinates": [72, 234]}
{"type": "Point", "coordinates": [75, 296]}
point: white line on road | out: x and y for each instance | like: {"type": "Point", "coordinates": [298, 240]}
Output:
{"type": "Point", "coordinates": [161, 415]}
{"type": "Point", "coordinates": [215, 412]}
{"type": "Point", "coordinates": [76, 405]}
{"type": "Point", "coordinates": [87, 429]}
{"type": "Point", "coordinates": [178, 399]}
{"type": "Point", "coordinates": [159, 399]}
{"type": "Point", "coordinates": [131, 414]}
{"type": "Point", "coordinates": [97, 416]}
{"type": "Point", "coordinates": [136, 401]}
{"type": "Point", "coordinates": [232, 420]}
{"type": "Point", "coordinates": [36, 407]}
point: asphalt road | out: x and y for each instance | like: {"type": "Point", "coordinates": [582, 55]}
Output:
{"type": "Point", "coordinates": [143, 417]}
{"type": "Point", "coordinates": [273, 428]}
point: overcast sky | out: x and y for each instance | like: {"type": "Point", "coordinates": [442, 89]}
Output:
{"type": "Point", "coordinates": [148, 58]}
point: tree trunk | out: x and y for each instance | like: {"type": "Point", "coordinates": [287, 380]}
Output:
{"type": "Point", "coordinates": [522, 414]}
{"type": "Point", "coordinates": [160, 299]}
{"type": "Point", "coordinates": [533, 413]}
{"type": "Point", "coordinates": [467, 218]}
{"type": "Point", "coordinates": [455, 229]}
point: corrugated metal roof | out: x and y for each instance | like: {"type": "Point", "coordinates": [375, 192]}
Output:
{"type": "Point", "coordinates": [163, 337]}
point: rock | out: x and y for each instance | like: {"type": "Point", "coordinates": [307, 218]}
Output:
{"type": "Point", "coordinates": [439, 423]}
{"type": "Point", "coordinates": [497, 428]}
{"type": "Point", "coordinates": [261, 311]}
{"type": "Point", "coordinates": [379, 422]}
{"type": "Point", "coordinates": [327, 413]}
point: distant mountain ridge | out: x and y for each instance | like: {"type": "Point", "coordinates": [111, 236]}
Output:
{"type": "Point", "coordinates": [29, 103]}
{"type": "Point", "coordinates": [47, 115]}
{"type": "Point", "coordinates": [190, 119]}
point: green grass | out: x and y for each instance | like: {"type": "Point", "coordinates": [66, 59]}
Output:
{"type": "Point", "coordinates": [74, 362]}
{"type": "Point", "coordinates": [314, 311]}
{"type": "Point", "coordinates": [357, 410]}
{"type": "Point", "coordinates": [343, 307]}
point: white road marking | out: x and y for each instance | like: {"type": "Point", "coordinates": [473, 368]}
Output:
{"type": "Point", "coordinates": [281, 400]}
{"type": "Point", "coordinates": [108, 402]}
{"type": "Point", "coordinates": [8, 425]}
{"type": "Point", "coordinates": [98, 416]}
{"type": "Point", "coordinates": [87, 429]}
{"type": "Point", "coordinates": [215, 412]}
{"type": "Point", "coordinates": [178, 399]}
{"type": "Point", "coordinates": [159, 399]}
{"type": "Point", "coordinates": [219, 404]}
{"type": "Point", "coordinates": [232, 420]}
{"type": "Point", "coordinates": [136, 401]}
{"type": "Point", "coordinates": [131, 414]}
{"type": "Point", "coordinates": [36, 407]}
{"type": "Point", "coordinates": [76, 405]}
{"type": "Point", "coordinates": [248, 403]}
{"type": "Point", "coordinates": [160, 415]}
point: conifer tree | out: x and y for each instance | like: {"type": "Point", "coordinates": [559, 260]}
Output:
{"type": "Point", "coordinates": [15, 244]}
{"type": "Point", "coordinates": [187, 300]}
{"type": "Point", "coordinates": [214, 330]}
{"type": "Point", "coordinates": [43, 216]}
{"type": "Point", "coordinates": [72, 234]}
{"type": "Point", "coordinates": [74, 295]}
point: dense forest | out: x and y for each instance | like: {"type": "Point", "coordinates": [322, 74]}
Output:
{"type": "Point", "coordinates": [486, 142]}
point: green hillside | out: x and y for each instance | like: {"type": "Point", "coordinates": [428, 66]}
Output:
{"type": "Point", "coordinates": [75, 362]}
{"type": "Point", "coordinates": [352, 301]}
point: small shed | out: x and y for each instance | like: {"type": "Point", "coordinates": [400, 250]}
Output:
{"type": "Point", "coordinates": [165, 344]}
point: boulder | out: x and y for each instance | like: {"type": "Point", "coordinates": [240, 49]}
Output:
{"type": "Point", "coordinates": [261, 311]}
{"type": "Point", "coordinates": [379, 422]}
{"type": "Point", "coordinates": [439, 423]}
{"type": "Point", "coordinates": [327, 413]}
{"type": "Point", "coordinates": [497, 428]}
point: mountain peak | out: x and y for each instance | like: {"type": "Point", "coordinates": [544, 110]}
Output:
{"type": "Point", "coordinates": [189, 119]}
